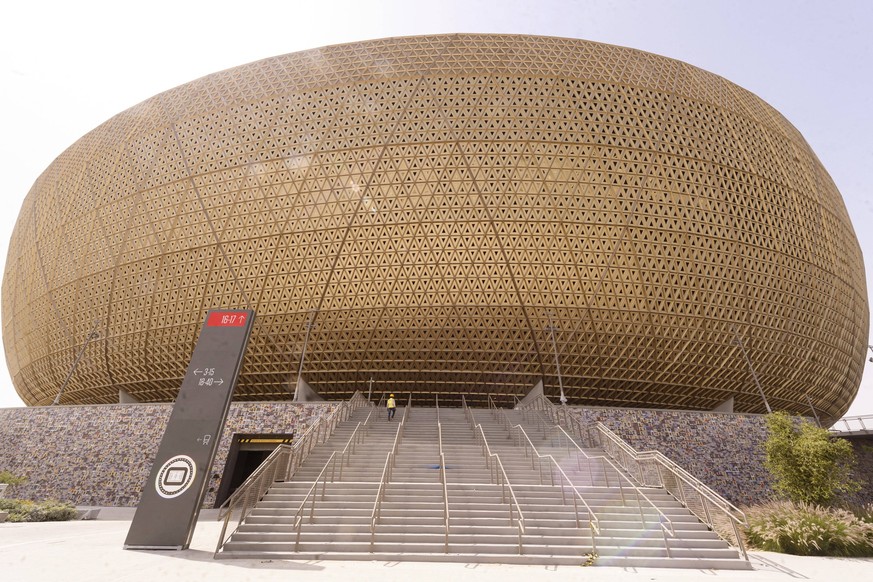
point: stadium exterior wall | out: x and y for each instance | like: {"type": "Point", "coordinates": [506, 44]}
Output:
{"type": "Point", "coordinates": [101, 455]}
{"type": "Point", "coordinates": [433, 205]}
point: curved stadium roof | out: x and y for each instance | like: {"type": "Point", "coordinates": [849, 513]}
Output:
{"type": "Point", "coordinates": [433, 202]}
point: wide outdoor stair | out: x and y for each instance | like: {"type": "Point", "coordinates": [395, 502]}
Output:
{"type": "Point", "coordinates": [483, 519]}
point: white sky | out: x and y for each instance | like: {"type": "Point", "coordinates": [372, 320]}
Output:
{"type": "Point", "coordinates": [66, 67]}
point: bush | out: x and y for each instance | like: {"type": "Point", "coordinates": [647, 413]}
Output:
{"type": "Point", "coordinates": [50, 510]}
{"type": "Point", "coordinates": [808, 530]}
{"type": "Point", "coordinates": [807, 463]}
{"type": "Point", "coordinates": [9, 478]}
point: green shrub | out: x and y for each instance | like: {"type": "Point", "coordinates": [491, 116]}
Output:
{"type": "Point", "coordinates": [50, 510]}
{"type": "Point", "coordinates": [9, 478]}
{"type": "Point", "coordinates": [807, 463]}
{"type": "Point", "coordinates": [808, 530]}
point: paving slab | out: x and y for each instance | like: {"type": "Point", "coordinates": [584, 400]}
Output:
{"type": "Point", "coordinates": [91, 551]}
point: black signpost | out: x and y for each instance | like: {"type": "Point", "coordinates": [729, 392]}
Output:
{"type": "Point", "coordinates": [171, 498]}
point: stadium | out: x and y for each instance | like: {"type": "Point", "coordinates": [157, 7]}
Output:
{"type": "Point", "coordinates": [446, 216]}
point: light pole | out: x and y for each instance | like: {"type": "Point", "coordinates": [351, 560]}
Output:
{"type": "Point", "coordinates": [551, 328]}
{"type": "Point", "coordinates": [811, 407]}
{"type": "Point", "coordinates": [92, 335]}
{"type": "Point", "coordinates": [309, 325]}
{"type": "Point", "coordinates": [739, 341]}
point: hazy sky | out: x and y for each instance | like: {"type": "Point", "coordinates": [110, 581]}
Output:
{"type": "Point", "coordinates": [66, 67]}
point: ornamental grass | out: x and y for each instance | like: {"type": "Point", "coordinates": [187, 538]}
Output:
{"type": "Point", "coordinates": [809, 530]}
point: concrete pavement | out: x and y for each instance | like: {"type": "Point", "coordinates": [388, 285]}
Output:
{"type": "Point", "coordinates": [80, 551]}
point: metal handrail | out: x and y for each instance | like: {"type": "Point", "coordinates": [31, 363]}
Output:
{"type": "Point", "coordinates": [370, 417]}
{"type": "Point", "coordinates": [706, 497]}
{"type": "Point", "coordinates": [467, 412]}
{"type": "Point", "coordinates": [280, 465]}
{"type": "Point", "coordinates": [298, 517]}
{"type": "Point", "coordinates": [349, 449]}
{"type": "Point", "coordinates": [557, 415]}
{"type": "Point", "coordinates": [390, 459]}
{"type": "Point", "coordinates": [663, 520]}
{"type": "Point", "coordinates": [497, 472]}
{"type": "Point", "coordinates": [499, 477]}
{"type": "Point", "coordinates": [491, 404]}
{"type": "Point", "coordinates": [626, 456]}
{"type": "Point", "coordinates": [593, 520]}
{"type": "Point", "coordinates": [848, 421]}
{"type": "Point", "coordinates": [444, 479]}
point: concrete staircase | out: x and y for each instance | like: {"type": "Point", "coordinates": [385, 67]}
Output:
{"type": "Point", "coordinates": [533, 521]}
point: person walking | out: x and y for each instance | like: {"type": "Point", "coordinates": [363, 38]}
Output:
{"type": "Point", "coordinates": [392, 406]}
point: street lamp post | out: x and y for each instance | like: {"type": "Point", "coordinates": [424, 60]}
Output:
{"type": "Point", "coordinates": [309, 325]}
{"type": "Point", "coordinates": [551, 328]}
{"type": "Point", "coordinates": [739, 341]}
{"type": "Point", "coordinates": [92, 335]}
{"type": "Point", "coordinates": [811, 407]}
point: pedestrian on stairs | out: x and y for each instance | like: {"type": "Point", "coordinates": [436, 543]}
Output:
{"type": "Point", "coordinates": [392, 406]}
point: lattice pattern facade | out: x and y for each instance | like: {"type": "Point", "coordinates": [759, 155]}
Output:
{"type": "Point", "coordinates": [431, 202]}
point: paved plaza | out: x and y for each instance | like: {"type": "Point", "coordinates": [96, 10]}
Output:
{"type": "Point", "coordinates": [79, 551]}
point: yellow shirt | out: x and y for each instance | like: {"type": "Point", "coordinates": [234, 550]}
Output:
{"type": "Point", "coordinates": [391, 403]}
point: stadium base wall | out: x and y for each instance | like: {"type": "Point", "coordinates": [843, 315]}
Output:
{"type": "Point", "coordinates": [725, 451]}
{"type": "Point", "coordinates": [102, 455]}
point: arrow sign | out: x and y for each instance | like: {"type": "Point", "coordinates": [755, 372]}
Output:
{"type": "Point", "coordinates": [173, 494]}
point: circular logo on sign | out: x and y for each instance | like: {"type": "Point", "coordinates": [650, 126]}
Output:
{"type": "Point", "coordinates": [175, 476]}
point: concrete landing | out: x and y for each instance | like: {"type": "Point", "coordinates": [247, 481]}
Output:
{"type": "Point", "coordinates": [80, 551]}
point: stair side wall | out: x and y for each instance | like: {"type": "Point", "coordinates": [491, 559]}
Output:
{"type": "Point", "coordinates": [102, 455]}
{"type": "Point", "coordinates": [724, 450]}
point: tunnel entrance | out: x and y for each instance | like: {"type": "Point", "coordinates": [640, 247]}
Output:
{"type": "Point", "coordinates": [247, 452]}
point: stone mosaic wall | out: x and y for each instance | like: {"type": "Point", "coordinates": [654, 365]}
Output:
{"type": "Point", "coordinates": [725, 451]}
{"type": "Point", "coordinates": [863, 446]}
{"type": "Point", "coordinates": [102, 455]}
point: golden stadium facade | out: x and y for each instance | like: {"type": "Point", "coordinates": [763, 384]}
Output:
{"type": "Point", "coordinates": [431, 204]}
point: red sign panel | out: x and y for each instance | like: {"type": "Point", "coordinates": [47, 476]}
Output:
{"type": "Point", "coordinates": [226, 319]}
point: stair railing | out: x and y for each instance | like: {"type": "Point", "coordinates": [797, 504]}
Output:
{"type": "Point", "coordinates": [387, 470]}
{"type": "Point", "coordinates": [312, 497]}
{"type": "Point", "coordinates": [563, 439]}
{"type": "Point", "coordinates": [553, 468]}
{"type": "Point", "coordinates": [652, 468]}
{"type": "Point", "coordinates": [492, 406]}
{"type": "Point", "coordinates": [664, 522]}
{"type": "Point", "coordinates": [496, 469]}
{"type": "Point", "coordinates": [320, 432]}
{"type": "Point", "coordinates": [281, 465]}
{"type": "Point", "coordinates": [560, 415]}
{"type": "Point", "coordinates": [371, 416]}
{"type": "Point", "coordinates": [444, 480]}
{"type": "Point", "coordinates": [345, 457]}
{"type": "Point", "coordinates": [499, 477]}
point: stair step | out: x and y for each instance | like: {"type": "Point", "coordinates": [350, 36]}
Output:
{"type": "Point", "coordinates": [412, 522]}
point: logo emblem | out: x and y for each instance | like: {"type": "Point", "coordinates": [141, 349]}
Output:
{"type": "Point", "coordinates": [175, 476]}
